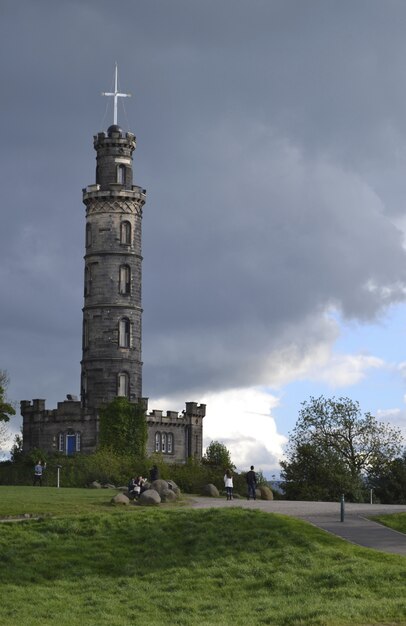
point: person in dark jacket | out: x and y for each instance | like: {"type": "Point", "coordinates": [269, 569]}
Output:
{"type": "Point", "coordinates": [251, 483]}
{"type": "Point", "coordinates": [153, 473]}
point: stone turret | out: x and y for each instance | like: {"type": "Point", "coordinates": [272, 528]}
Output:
{"type": "Point", "coordinates": [111, 350]}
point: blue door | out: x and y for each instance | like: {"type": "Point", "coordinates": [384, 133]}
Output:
{"type": "Point", "coordinates": [70, 444]}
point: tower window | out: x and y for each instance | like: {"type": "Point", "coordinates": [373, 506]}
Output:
{"type": "Point", "coordinates": [61, 441]}
{"type": "Point", "coordinates": [88, 235]}
{"type": "Point", "coordinates": [123, 385]}
{"type": "Point", "coordinates": [124, 333]}
{"type": "Point", "coordinates": [125, 279]}
{"type": "Point", "coordinates": [125, 233]}
{"type": "Point", "coordinates": [121, 174]}
{"type": "Point", "coordinates": [170, 443]}
{"type": "Point", "coordinates": [157, 442]}
{"type": "Point", "coordinates": [88, 280]}
{"type": "Point", "coordinates": [163, 442]}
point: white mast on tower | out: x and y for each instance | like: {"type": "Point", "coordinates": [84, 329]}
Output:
{"type": "Point", "coordinates": [116, 95]}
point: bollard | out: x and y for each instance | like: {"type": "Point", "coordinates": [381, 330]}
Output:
{"type": "Point", "coordinates": [342, 509]}
{"type": "Point", "coordinates": [58, 474]}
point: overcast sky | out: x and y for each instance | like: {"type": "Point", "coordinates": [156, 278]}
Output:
{"type": "Point", "coordinates": [271, 139]}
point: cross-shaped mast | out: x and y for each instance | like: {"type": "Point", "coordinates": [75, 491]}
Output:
{"type": "Point", "coordinates": [116, 95]}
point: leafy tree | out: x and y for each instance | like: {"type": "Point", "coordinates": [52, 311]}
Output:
{"type": "Point", "coordinates": [389, 484]}
{"type": "Point", "coordinates": [314, 473]}
{"type": "Point", "coordinates": [123, 427]}
{"type": "Point", "coordinates": [333, 447]}
{"type": "Point", "coordinates": [6, 409]}
{"type": "Point", "coordinates": [17, 448]}
{"type": "Point", "coordinates": [218, 455]}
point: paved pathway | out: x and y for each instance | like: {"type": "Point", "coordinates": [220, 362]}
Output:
{"type": "Point", "coordinates": [356, 528]}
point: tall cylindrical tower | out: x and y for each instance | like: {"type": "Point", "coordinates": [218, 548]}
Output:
{"type": "Point", "coordinates": [111, 354]}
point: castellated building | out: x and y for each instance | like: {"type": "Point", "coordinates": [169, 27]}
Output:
{"type": "Point", "coordinates": [111, 363]}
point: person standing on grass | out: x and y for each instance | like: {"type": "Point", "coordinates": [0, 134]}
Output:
{"type": "Point", "coordinates": [38, 473]}
{"type": "Point", "coordinates": [228, 483]}
{"type": "Point", "coordinates": [251, 483]}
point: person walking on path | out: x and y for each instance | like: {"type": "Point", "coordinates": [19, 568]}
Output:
{"type": "Point", "coordinates": [251, 483]}
{"type": "Point", "coordinates": [38, 472]}
{"type": "Point", "coordinates": [228, 483]}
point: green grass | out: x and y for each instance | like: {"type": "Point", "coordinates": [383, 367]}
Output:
{"type": "Point", "coordinates": [175, 566]}
{"type": "Point", "coordinates": [396, 521]}
{"type": "Point", "coordinates": [16, 501]}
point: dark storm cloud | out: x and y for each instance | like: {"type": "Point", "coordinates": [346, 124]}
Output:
{"type": "Point", "coordinates": [271, 140]}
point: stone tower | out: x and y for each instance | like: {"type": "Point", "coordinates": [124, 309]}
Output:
{"type": "Point", "coordinates": [111, 352]}
{"type": "Point", "coordinates": [111, 362]}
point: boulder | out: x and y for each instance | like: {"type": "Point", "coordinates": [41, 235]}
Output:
{"type": "Point", "coordinates": [210, 490]}
{"type": "Point", "coordinates": [160, 486]}
{"type": "Point", "coordinates": [120, 498]}
{"type": "Point", "coordinates": [266, 493]}
{"type": "Point", "coordinates": [174, 487]}
{"type": "Point", "coordinates": [108, 486]}
{"type": "Point", "coordinates": [149, 497]}
{"type": "Point", "coordinates": [95, 485]}
{"type": "Point", "coordinates": [168, 496]}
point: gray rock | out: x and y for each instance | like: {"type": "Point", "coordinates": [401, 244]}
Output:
{"type": "Point", "coordinates": [95, 485]}
{"type": "Point", "coordinates": [160, 486]}
{"type": "Point", "coordinates": [168, 496]}
{"type": "Point", "coordinates": [120, 498]}
{"type": "Point", "coordinates": [149, 497]}
{"type": "Point", "coordinates": [174, 487]}
{"type": "Point", "coordinates": [210, 490]}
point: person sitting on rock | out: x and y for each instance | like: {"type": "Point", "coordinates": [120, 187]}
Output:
{"type": "Point", "coordinates": [132, 487]}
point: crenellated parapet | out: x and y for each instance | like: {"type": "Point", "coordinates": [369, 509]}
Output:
{"type": "Point", "coordinates": [54, 430]}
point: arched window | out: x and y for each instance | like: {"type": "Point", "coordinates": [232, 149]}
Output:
{"type": "Point", "coordinates": [61, 442]}
{"type": "Point", "coordinates": [88, 235]}
{"type": "Point", "coordinates": [124, 333]}
{"type": "Point", "coordinates": [88, 280]}
{"type": "Point", "coordinates": [125, 233]}
{"type": "Point", "coordinates": [121, 174]}
{"type": "Point", "coordinates": [170, 443]}
{"type": "Point", "coordinates": [123, 385]}
{"type": "Point", "coordinates": [163, 442]}
{"type": "Point", "coordinates": [125, 279]}
{"type": "Point", "coordinates": [157, 442]}
{"type": "Point", "coordinates": [84, 389]}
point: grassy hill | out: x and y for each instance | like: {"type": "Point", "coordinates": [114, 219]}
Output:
{"type": "Point", "coordinates": [92, 564]}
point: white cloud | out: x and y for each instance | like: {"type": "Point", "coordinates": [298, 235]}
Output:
{"type": "Point", "coordinates": [315, 360]}
{"type": "Point", "coordinates": [344, 370]}
{"type": "Point", "coordinates": [395, 416]}
{"type": "Point", "coordinates": [241, 419]}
